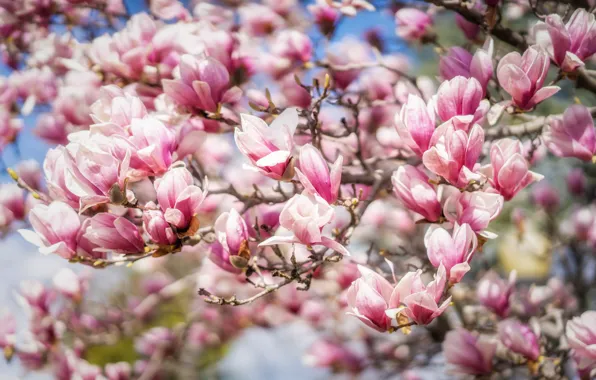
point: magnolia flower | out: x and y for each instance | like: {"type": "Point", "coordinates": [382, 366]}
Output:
{"type": "Point", "coordinates": [420, 303]}
{"type": "Point", "coordinates": [508, 171]}
{"type": "Point", "coordinates": [569, 45]}
{"type": "Point", "coordinates": [293, 45]}
{"type": "Point", "coordinates": [179, 199]}
{"type": "Point", "coordinates": [462, 101]}
{"type": "Point", "coordinates": [112, 233]}
{"type": "Point", "coordinates": [453, 251]}
{"type": "Point", "coordinates": [92, 171]}
{"type": "Point", "coordinates": [454, 153]}
{"type": "Point", "coordinates": [415, 124]}
{"type": "Point", "coordinates": [305, 215]}
{"type": "Point", "coordinates": [315, 176]}
{"type": "Point", "coordinates": [269, 148]}
{"type": "Point", "coordinates": [572, 135]}
{"type": "Point", "coordinates": [477, 208]}
{"type": "Point", "coordinates": [494, 293]}
{"type": "Point", "coordinates": [327, 354]}
{"type": "Point", "coordinates": [523, 76]}
{"type": "Point", "coordinates": [459, 62]}
{"type": "Point", "coordinates": [230, 252]}
{"type": "Point", "coordinates": [519, 338]}
{"type": "Point", "coordinates": [325, 15]}
{"type": "Point", "coordinates": [412, 187]}
{"type": "Point", "coordinates": [581, 335]}
{"type": "Point", "coordinates": [368, 299]}
{"type": "Point", "coordinates": [151, 144]}
{"type": "Point", "coordinates": [412, 24]}
{"type": "Point", "coordinates": [156, 226]}
{"type": "Point", "coordinates": [469, 353]}
{"type": "Point", "coordinates": [114, 111]}
{"type": "Point", "coordinates": [203, 83]}
{"type": "Point", "coordinates": [55, 229]}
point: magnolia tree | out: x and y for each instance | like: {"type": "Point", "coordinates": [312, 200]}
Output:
{"type": "Point", "coordinates": [254, 167]}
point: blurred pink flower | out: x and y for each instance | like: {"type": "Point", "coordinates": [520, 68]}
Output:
{"type": "Point", "coordinates": [494, 293]}
{"type": "Point", "coordinates": [469, 353]}
{"type": "Point", "coordinates": [413, 24]}
{"type": "Point", "coordinates": [519, 338]}
{"type": "Point", "coordinates": [581, 335]}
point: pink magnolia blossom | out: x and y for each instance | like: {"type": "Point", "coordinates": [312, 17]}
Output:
{"type": "Point", "coordinates": [179, 198]}
{"type": "Point", "coordinates": [453, 251]}
{"type": "Point", "coordinates": [55, 229]}
{"type": "Point", "coordinates": [269, 148]}
{"type": "Point", "coordinates": [546, 196]}
{"type": "Point", "coordinates": [347, 52]}
{"type": "Point", "coordinates": [519, 338]}
{"type": "Point", "coordinates": [494, 293]}
{"type": "Point", "coordinates": [315, 175]}
{"type": "Point", "coordinates": [368, 299]}
{"type": "Point", "coordinates": [295, 95]}
{"type": "Point", "coordinates": [305, 215]}
{"type": "Point", "coordinates": [156, 226]}
{"type": "Point", "coordinates": [52, 128]}
{"type": "Point", "coordinates": [459, 62]}
{"type": "Point", "coordinates": [151, 145]}
{"type": "Point", "coordinates": [454, 153]}
{"type": "Point", "coordinates": [54, 168]}
{"type": "Point", "coordinates": [470, 29]}
{"type": "Point", "coordinates": [112, 233]}
{"type": "Point", "coordinates": [12, 197]}
{"type": "Point", "coordinates": [477, 208]}
{"type": "Point", "coordinates": [581, 335]}
{"type": "Point", "coordinates": [412, 24]}
{"type": "Point", "coordinates": [9, 128]}
{"type": "Point", "coordinates": [203, 83]}
{"type": "Point", "coordinates": [259, 20]}
{"type": "Point", "coordinates": [232, 240]}
{"type": "Point", "coordinates": [328, 354]}
{"type": "Point", "coordinates": [30, 172]}
{"type": "Point", "coordinates": [91, 169]}
{"type": "Point", "coordinates": [325, 16]}
{"type": "Point", "coordinates": [461, 100]}
{"type": "Point", "coordinates": [576, 181]}
{"type": "Point", "coordinates": [415, 124]}
{"type": "Point", "coordinates": [293, 45]}
{"type": "Point", "coordinates": [420, 303]}
{"type": "Point", "coordinates": [469, 353]}
{"type": "Point", "coordinates": [508, 172]}
{"type": "Point", "coordinates": [572, 135]}
{"type": "Point", "coordinates": [523, 76]}
{"type": "Point", "coordinates": [412, 187]}
{"type": "Point", "coordinates": [114, 111]}
{"type": "Point", "coordinates": [569, 45]}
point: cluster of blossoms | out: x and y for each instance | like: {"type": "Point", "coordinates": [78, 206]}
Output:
{"type": "Point", "coordinates": [372, 189]}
